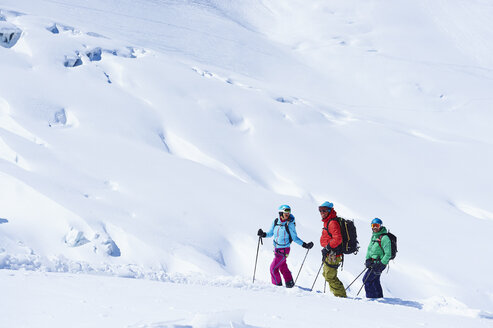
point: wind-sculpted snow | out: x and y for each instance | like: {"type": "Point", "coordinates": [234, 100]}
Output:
{"type": "Point", "coordinates": [152, 139]}
{"type": "Point", "coordinates": [8, 123]}
{"type": "Point", "coordinates": [474, 211]}
{"type": "Point", "coordinates": [10, 155]}
{"type": "Point", "coordinates": [187, 150]}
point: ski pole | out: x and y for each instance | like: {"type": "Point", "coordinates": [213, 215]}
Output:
{"type": "Point", "coordinates": [256, 257]}
{"type": "Point", "coordinates": [317, 276]}
{"type": "Point", "coordinates": [356, 278]}
{"type": "Point", "coordinates": [364, 281]}
{"type": "Point", "coordinates": [325, 285]}
{"type": "Point", "coordinates": [301, 266]}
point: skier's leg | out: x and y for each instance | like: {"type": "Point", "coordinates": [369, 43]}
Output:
{"type": "Point", "coordinates": [283, 267]}
{"type": "Point", "coordinates": [274, 269]}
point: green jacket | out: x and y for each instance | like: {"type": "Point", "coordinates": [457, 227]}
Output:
{"type": "Point", "coordinates": [376, 252]}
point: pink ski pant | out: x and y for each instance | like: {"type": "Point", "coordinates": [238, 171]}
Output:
{"type": "Point", "coordinates": [279, 265]}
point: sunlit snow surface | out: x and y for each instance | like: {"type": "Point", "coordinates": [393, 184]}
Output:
{"type": "Point", "coordinates": [93, 301]}
{"type": "Point", "coordinates": [151, 140]}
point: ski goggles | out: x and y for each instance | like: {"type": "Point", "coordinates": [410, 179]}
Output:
{"type": "Point", "coordinates": [286, 210]}
{"type": "Point", "coordinates": [323, 210]}
{"type": "Point", "coordinates": [375, 225]}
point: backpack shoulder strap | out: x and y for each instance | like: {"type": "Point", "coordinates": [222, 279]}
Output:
{"type": "Point", "coordinates": [379, 240]}
{"type": "Point", "coordinates": [289, 232]}
{"type": "Point", "coordinates": [286, 226]}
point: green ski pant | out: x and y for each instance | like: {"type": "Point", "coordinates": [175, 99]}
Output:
{"type": "Point", "coordinates": [330, 275]}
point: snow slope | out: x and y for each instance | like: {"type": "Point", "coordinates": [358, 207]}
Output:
{"type": "Point", "coordinates": [91, 301]}
{"type": "Point", "coordinates": [149, 138]}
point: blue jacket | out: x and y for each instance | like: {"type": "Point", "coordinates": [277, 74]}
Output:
{"type": "Point", "coordinates": [281, 236]}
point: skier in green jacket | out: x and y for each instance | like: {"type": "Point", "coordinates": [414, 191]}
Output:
{"type": "Point", "coordinates": [377, 257]}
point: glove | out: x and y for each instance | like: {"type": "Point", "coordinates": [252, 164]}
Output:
{"type": "Point", "coordinates": [261, 233]}
{"type": "Point", "coordinates": [309, 245]}
{"type": "Point", "coordinates": [378, 266]}
{"type": "Point", "coordinates": [325, 253]}
{"type": "Point", "coordinates": [368, 263]}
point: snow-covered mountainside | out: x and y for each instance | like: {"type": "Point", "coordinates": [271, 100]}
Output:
{"type": "Point", "coordinates": [94, 301]}
{"type": "Point", "coordinates": [151, 139]}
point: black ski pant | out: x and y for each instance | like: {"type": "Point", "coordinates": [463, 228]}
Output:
{"type": "Point", "coordinates": [373, 288]}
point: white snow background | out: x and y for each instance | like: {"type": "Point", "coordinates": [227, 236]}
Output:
{"type": "Point", "coordinates": [151, 139]}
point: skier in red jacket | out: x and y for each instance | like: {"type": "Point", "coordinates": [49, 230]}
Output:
{"type": "Point", "coordinates": [331, 241]}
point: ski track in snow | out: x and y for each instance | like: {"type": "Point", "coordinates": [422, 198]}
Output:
{"type": "Point", "coordinates": [438, 305]}
{"type": "Point", "coordinates": [335, 116]}
{"type": "Point", "coordinates": [35, 263]}
{"type": "Point", "coordinates": [208, 74]}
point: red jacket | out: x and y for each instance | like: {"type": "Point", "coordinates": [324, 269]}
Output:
{"type": "Point", "coordinates": [334, 230]}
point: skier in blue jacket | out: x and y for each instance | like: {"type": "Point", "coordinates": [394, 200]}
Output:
{"type": "Point", "coordinates": [283, 230]}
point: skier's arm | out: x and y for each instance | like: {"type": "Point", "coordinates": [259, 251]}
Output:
{"type": "Point", "coordinates": [387, 250]}
{"type": "Point", "coordinates": [335, 231]}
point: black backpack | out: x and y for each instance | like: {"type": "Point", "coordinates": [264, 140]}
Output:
{"type": "Point", "coordinates": [393, 243]}
{"type": "Point", "coordinates": [286, 227]}
{"type": "Point", "coordinates": [350, 244]}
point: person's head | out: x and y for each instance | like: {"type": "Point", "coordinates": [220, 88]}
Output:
{"type": "Point", "coordinates": [376, 224]}
{"type": "Point", "coordinates": [284, 212]}
{"type": "Point", "coordinates": [325, 209]}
